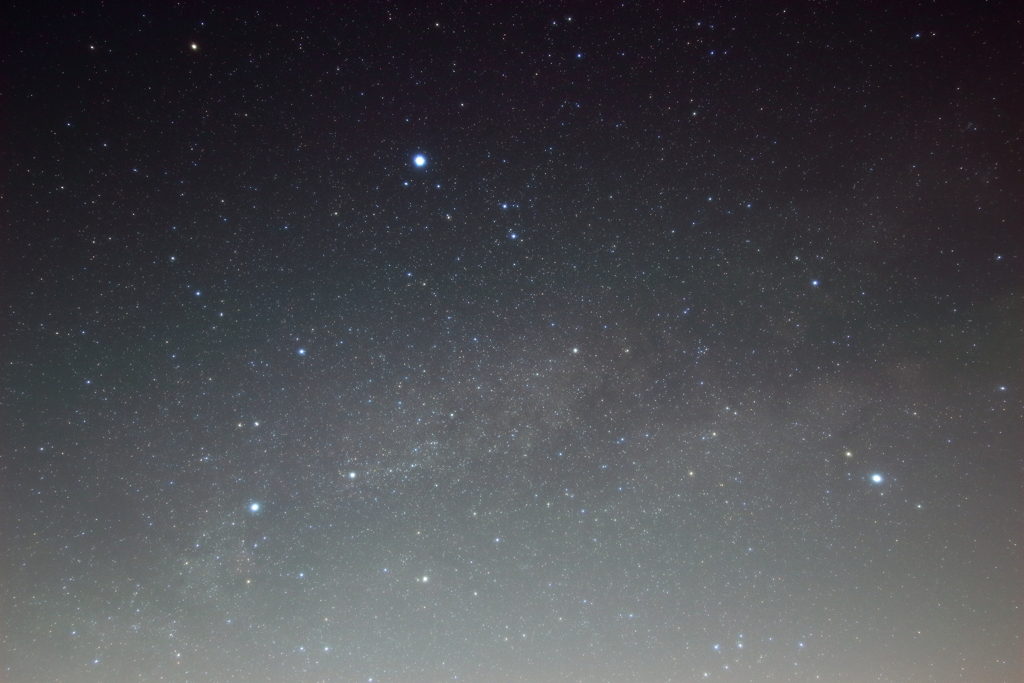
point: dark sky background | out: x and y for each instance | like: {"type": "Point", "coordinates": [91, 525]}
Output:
{"type": "Point", "coordinates": [691, 352]}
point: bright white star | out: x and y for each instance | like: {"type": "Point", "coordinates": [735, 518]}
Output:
{"type": "Point", "coordinates": [419, 160]}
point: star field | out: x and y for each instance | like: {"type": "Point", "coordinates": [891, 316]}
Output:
{"type": "Point", "coordinates": [512, 343]}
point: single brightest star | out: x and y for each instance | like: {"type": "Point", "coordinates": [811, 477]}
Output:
{"type": "Point", "coordinates": [419, 160]}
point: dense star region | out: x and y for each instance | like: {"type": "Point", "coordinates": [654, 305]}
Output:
{"type": "Point", "coordinates": [511, 343]}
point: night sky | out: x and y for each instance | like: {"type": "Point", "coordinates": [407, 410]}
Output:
{"type": "Point", "coordinates": [511, 343]}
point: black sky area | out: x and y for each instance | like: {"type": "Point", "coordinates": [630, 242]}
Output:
{"type": "Point", "coordinates": [511, 342]}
